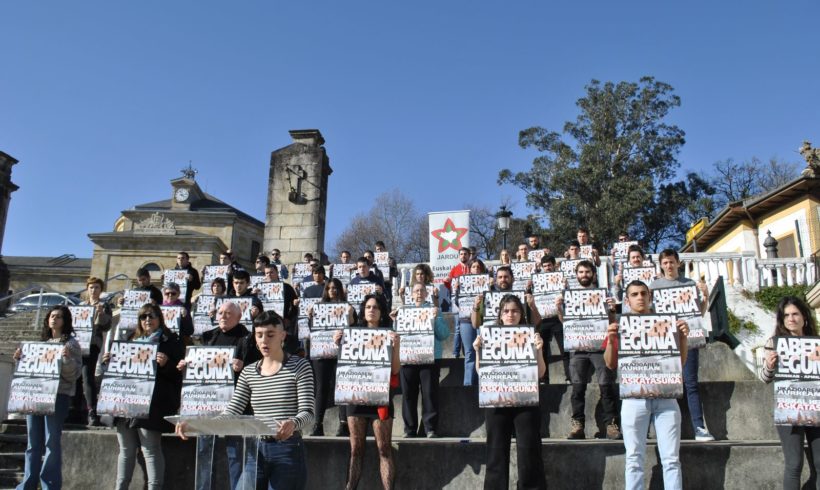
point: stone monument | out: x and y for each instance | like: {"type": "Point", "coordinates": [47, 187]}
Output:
{"type": "Point", "coordinates": [6, 188]}
{"type": "Point", "coordinates": [297, 197]}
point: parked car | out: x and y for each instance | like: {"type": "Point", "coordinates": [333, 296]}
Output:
{"type": "Point", "coordinates": [31, 301]}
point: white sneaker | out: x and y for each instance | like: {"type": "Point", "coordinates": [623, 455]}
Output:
{"type": "Point", "coordinates": [701, 434]}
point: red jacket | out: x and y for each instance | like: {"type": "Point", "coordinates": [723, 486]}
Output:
{"type": "Point", "coordinates": [458, 270]}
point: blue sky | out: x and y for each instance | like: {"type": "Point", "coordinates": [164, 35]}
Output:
{"type": "Point", "coordinates": [104, 102]}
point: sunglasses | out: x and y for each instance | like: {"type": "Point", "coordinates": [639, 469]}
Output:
{"type": "Point", "coordinates": [171, 293]}
{"type": "Point", "coordinates": [147, 316]}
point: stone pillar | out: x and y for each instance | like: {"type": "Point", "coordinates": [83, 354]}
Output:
{"type": "Point", "coordinates": [297, 197]}
{"type": "Point", "coordinates": [6, 188]}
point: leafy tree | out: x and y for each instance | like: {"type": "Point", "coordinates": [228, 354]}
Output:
{"type": "Point", "coordinates": [394, 220]}
{"type": "Point", "coordinates": [610, 165]}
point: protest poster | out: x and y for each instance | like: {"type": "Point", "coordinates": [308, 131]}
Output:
{"type": "Point", "coordinates": [357, 292]}
{"type": "Point", "coordinates": [449, 232]}
{"type": "Point", "coordinates": [202, 314]}
{"type": "Point", "coordinates": [363, 372]}
{"type": "Point", "coordinates": [546, 287]}
{"type": "Point", "coordinates": [586, 252]}
{"type": "Point", "coordinates": [508, 367]}
{"type": "Point", "coordinates": [415, 324]}
{"type": "Point", "coordinates": [343, 272]}
{"type": "Point", "coordinates": [585, 319]}
{"type": "Point", "coordinates": [522, 272]}
{"type": "Point", "coordinates": [133, 299]}
{"type": "Point", "coordinates": [178, 277]}
{"type": "Point", "coordinates": [797, 381]}
{"type": "Point", "coordinates": [492, 299]}
{"type": "Point", "coordinates": [272, 295]}
{"type": "Point", "coordinates": [212, 272]}
{"type": "Point", "coordinates": [382, 261]}
{"type": "Point", "coordinates": [207, 383]}
{"type": "Point", "coordinates": [301, 271]}
{"type": "Point", "coordinates": [304, 320]}
{"type": "Point", "coordinates": [644, 274]}
{"type": "Point", "coordinates": [327, 319]}
{"type": "Point", "coordinates": [245, 303]}
{"type": "Point", "coordinates": [36, 378]}
{"type": "Point", "coordinates": [684, 303]}
{"type": "Point", "coordinates": [567, 267]}
{"type": "Point", "coordinates": [620, 250]}
{"type": "Point", "coordinates": [128, 381]}
{"type": "Point", "coordinates": [649, 363]}
{"type": "Point", "coordinates": [256, 280]}
{"type": "Point", "coordinates": [82, 319]}
{"type": "Point", "coordinates": [469, 287]}
{"type": "Point", "coordinates": [173, 317]}
{"type": "Point", "coordinates": [407, 299]}
{"type": "Point", "coordinates": [536, 255]}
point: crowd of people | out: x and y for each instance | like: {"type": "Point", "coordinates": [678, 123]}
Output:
{"type": "Point", "coordinates": [277, 382]}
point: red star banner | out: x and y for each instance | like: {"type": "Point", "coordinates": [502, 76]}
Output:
{"type": "Point", "coordinates": [449, 231]}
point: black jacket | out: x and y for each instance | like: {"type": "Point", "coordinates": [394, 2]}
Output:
{"type": "Point", "coordinates": [167, 389]}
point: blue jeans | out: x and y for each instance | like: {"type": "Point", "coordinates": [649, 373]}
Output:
{"type": "Point", "coordinates": [690, 387]}
{"type": "Point", "coordinates": [234, 449]}
{"type": "Point", "coordinates": [150, 441]}
{"type": "Point", "coordinates": [468, 335]}
{"type": "Point", "coordinates": [635, 417]}
{"type": "Point", "coordinates": [457, 344]}
{"type": "Point", "coordinates": [44, 432]}
{"type": "Point", "coordinates": [280, 465]}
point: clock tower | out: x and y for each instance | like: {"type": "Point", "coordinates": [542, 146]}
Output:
{"type": "Point", "coordinates": [185, 190]}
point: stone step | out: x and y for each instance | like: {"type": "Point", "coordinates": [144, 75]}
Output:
{"type": "Point", "coordinates": [452, 463]}
{"type": "Point", "coordinates": [739, 410]}
{"type": "Point", "coordinates": [10, 478]}
{"type": "Point", "coordinates": [13, 461]}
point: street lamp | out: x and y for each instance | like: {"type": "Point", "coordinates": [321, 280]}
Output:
{"type": "Point", "coordinates": [503, 217]}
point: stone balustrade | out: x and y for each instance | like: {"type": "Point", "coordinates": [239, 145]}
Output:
{"type": "Point", "coordinates": [739, 269]}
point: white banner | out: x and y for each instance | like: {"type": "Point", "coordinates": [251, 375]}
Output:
{"type": "Point", "coordinates": [449, 231]}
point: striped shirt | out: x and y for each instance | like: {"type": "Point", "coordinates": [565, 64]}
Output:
{"type": "Point", "coordinates": [288, 394]}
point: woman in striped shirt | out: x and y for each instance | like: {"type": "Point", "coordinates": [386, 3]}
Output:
{"type": "Point", "coordinates": [279, 388]}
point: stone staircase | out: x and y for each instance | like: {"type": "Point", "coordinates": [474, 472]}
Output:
{"type": "Point", "coordinates": [18, 327]}
{"type": "Point", "coordinates": [12, 453]}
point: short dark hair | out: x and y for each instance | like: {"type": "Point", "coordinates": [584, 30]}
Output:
{"type": "Point", "coordinates": [668, 252]}
{"type": "Point", "coordinates": [588, 264]}
{"type": "Point", "coordinates": [547, 259]}
{"type": "Point", "coordinates": [503, 268]}
{"type": "Point", "coordinates": [574, 243]}
{"type": "Point", "coordinates": [242, 275]}
{"type": "Point", "coordinates": [318, 269]}
{"type": "Point", "coordinates": [465, 249]}
{"type": "Point", "coordinates": [345, 252]}
{"type": "Point", "coordinates": [380, 243]}
{"type": "Point", "coordinates": [635, 248]}
{"type": "Point", "coordinates": [268, 318]}
{"type": "Point", "coordinates": [363, 260]}
{"type": "Point", "coordinates": [185, 254]}
{"type": "Point", "coordinates": [143, 272]}
{"type": "Point", "coordinates": [308, 256]}
{"type": "Point", "coordinates": [583, 229]}
{"type": "Point", "coordinates": [263, 258]}
{"type": "Point", "coordinates": [636, 283]}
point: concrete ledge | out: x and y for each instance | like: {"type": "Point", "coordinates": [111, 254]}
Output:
{"type": "Point", "coordinates": [89, 461]}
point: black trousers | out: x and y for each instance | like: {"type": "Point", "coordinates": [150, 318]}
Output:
{"type": "Point", "coordinates": [500, 423]}
{"type": "Point", "coordinates": [549, 328]}
{"type": "Point", "coordinates": [582, 366]}
{"type": "Point", "coordinates": [89, 383]}
{"type": "Point", "coordinates": [413, 377]}
{"type": "Point", "coordinates": [324, 376]}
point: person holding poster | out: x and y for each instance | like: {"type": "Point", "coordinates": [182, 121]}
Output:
{"type": "Point", "coordinates": [500, 422]}
{"type": "Point", "coordinates": [44, 432]}
{"type": "Point", "coordinates": [191, 278]}
{"type": "Point", "coordinates": [146, 434]}
{"type": "Point", "coordinates": [424, 376]}
{"type": "Point", "coordinates": [635, 258]}
{"type": "Point", "coordinates": [636, 413]}
{"type": "Point", "coordinates": [465, 292]}
{"type": "Point", "coordinates": [279, 390]}
{"type": "Point", "coordinates": [585, 243]}
{"type": "Point", "coordinates": [588, 307]}
{"type": "Point", "coordinates": [94, 287]}
{"type": "Point", "coordinates": [422, 274]}
{"type": "Point", "coordinates": [793, 319]}
{"type": "Point", "coordinates": [550, 325]}
{"type": "Point", "coordinates": [503, 284]}
{"type": "Point", "coordinates": [171, 297]}
{"type": "Point", "coordinates": [373, 313]}
{"type": "Point", "coordinates": [324, 369]}
{"type": "Point", "coordinates": [670, 268]}
{"type": "Point", "coordinates": [144, 284]}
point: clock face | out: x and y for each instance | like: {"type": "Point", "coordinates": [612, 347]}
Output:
{"type": "Point", "coordinates": [181, 195]}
